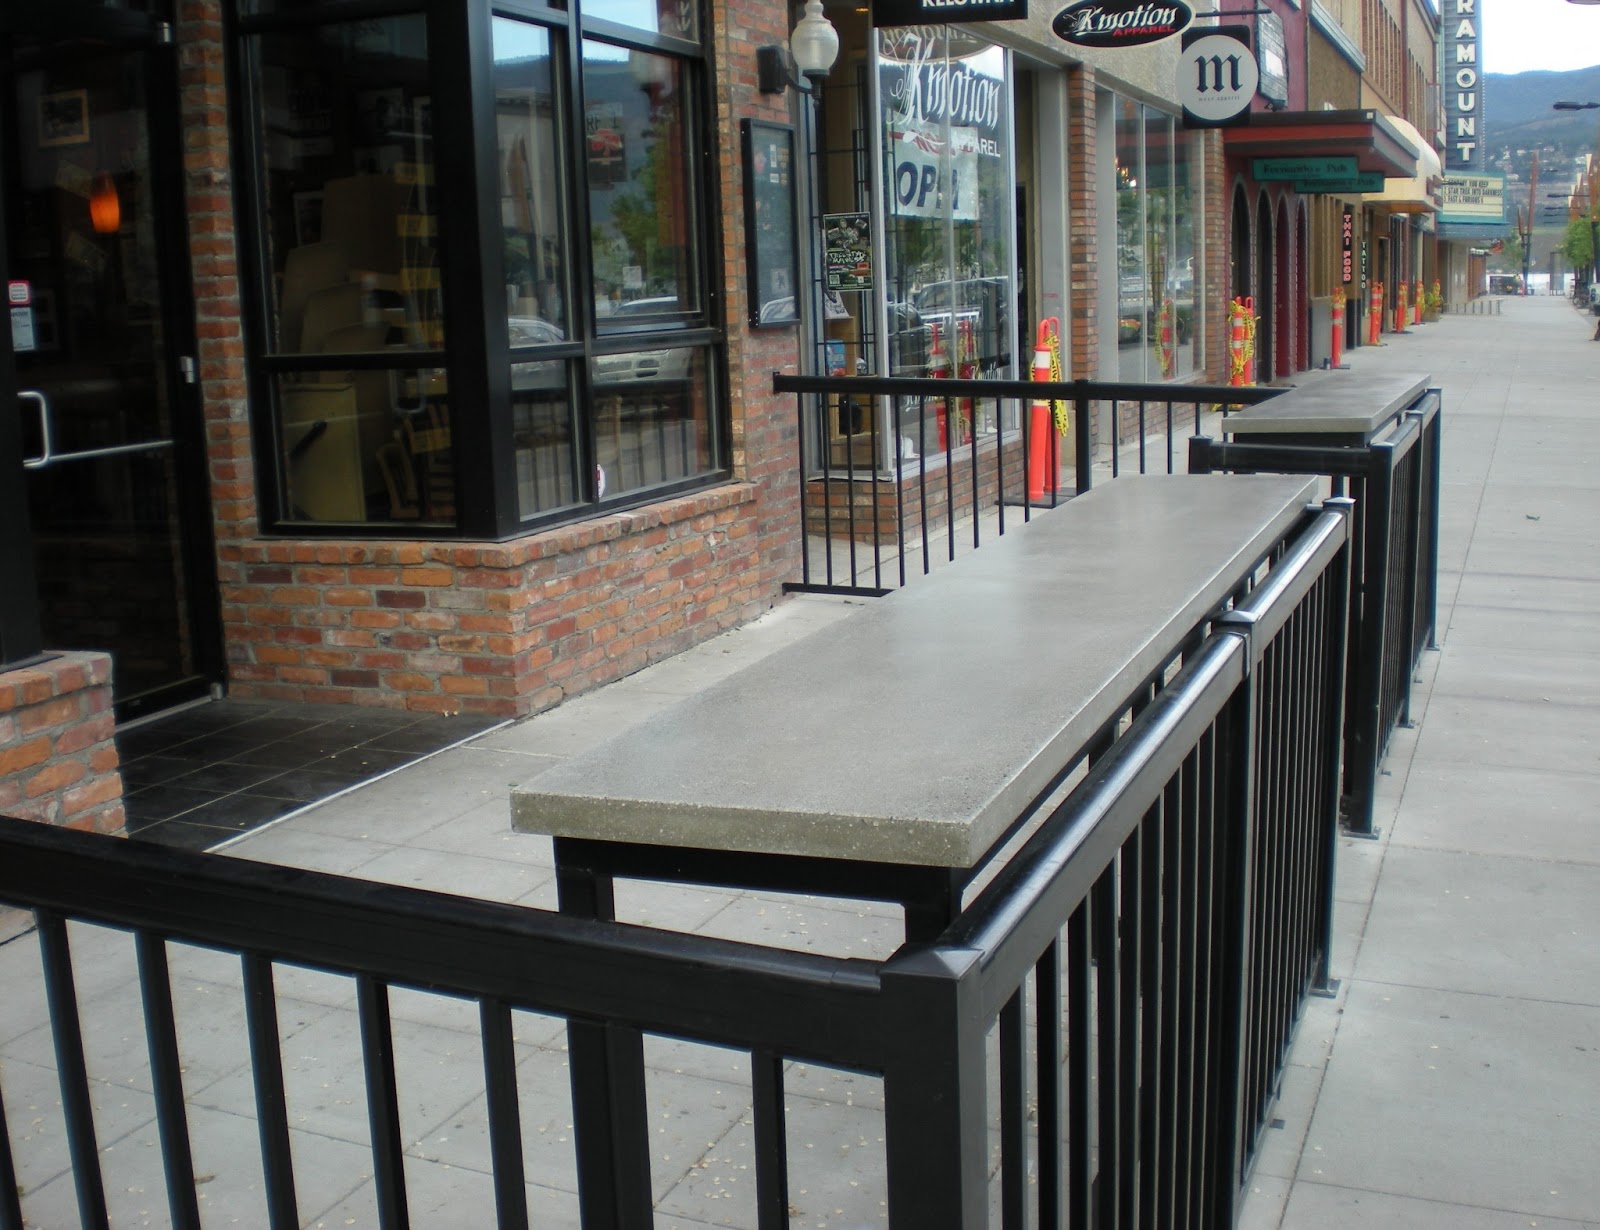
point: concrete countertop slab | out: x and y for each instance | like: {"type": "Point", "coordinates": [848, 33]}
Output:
{"type": "Point", "coordinates": [1360, 404]}
{"type": "Point", "coordinates": [916, 731]}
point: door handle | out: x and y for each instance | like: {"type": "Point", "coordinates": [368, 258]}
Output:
{"type": "Point", "coordinates": [43, 402]}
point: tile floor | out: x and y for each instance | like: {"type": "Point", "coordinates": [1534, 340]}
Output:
{"type": "Point", "coordinates": [201, 775]}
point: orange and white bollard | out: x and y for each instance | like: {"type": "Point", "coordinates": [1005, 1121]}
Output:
{"type": "Point", "coordinates": [1400, 307]}
{"type": "Point", "coordinates": [1238, 343]}
{"type": "Point", "coordinates": [1336, 345]}
{"type": "Point", "coordinates": [1416, 304]}
{"type": "Point", "coordinates": [1375, 315]}
{"type": "Point", "coordinates": [1044, 455]}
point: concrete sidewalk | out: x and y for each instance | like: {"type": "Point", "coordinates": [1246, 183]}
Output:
{"type": "Point", "coordinates": [1454, 1081]}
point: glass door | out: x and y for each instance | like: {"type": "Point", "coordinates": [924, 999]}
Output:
{"type": "Point", "coordinates": [103, 336]}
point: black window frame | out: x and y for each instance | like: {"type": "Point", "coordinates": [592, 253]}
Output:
{"type": "Point", "coordinates": [477, 353]}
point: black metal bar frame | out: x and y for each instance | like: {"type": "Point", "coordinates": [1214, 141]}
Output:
{"type": "Point", "coordinates": [1093, 878]}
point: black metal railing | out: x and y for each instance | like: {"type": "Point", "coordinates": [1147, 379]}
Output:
{"type": "Point", "coordinates": [1394, 480]}
{"type": "Point", "coordinates": [1160, 926]}
{"type": "Point", "coordinates": [961, 447]}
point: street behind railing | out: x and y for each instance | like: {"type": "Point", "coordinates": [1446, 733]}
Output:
{"type": "Point", "coordinates": [961, 448]}
{"type": "Point", "coordinates": [1159, 928]}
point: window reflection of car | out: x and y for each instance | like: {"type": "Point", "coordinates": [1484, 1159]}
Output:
{"type": "Point", "coordinates": [534, 331]}
{"type": "Point", "coordinates": [985, 302]}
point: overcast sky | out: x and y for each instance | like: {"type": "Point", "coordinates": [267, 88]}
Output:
{"type": "Point", "coordinates": [1523, 34]}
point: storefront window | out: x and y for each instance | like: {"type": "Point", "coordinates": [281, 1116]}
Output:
{"type": "Point", "coordinates": [608, 388]}
{"type": "Point", "coordinates": [949, 179]}
{"type": "Point", "coordinates": [1156, 309]}
{"type": "Point", "coordinates": [639, 210]}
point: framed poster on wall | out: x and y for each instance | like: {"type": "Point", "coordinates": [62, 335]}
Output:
{"type": "Point", "coordinates": [772, 252]}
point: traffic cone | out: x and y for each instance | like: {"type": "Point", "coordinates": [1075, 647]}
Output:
{"type": "Point", "coordinates": [1044, 458]}
{"type": "Point", "coordinates": [1375, 316]}
{"type": "Point", "coordinates": [1399, 307]}
{"type": "Point", "coordinates": [1238, 340]}
{"type": "Point", "coordinates": [1336, 347]}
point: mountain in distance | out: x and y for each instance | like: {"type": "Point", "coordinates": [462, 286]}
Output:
{"type": "Point", "coordinates": [1517, 112]}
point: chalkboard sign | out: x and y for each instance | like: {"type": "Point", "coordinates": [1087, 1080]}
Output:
{"type": "Point", "coordinates": [772, 261]}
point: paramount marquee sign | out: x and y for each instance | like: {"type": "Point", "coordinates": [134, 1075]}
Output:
{"type": "Point", "coordinates": [1121, 23]}
{"type": "Point", "coordinates": [1463, 104]}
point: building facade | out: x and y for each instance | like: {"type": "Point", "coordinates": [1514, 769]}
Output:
{"type": "Point", "coordinates": [418, 353]}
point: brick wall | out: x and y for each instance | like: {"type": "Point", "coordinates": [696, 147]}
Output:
{"type": "Point", "coordinates": [58, 763]}
{"type": "Point", "coordinates": [498, 628]}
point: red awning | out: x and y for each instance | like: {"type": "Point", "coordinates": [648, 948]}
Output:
{"type": "Point", "coordinates": [1367, 136]}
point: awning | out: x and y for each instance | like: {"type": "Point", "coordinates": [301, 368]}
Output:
{"type": "Point", "coordinates": [1373, 140]}
{"type": "Point", "coordinates": [1411, 194]}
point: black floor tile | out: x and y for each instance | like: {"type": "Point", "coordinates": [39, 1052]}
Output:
{"type": "Point", "coordinates": [306, 785]}
{"type": "Point", "coordinates": [151, 770]}
{"type": "Point", "coordinates": [427, 737]}
{"type": "Point", "coordinates": [182, 835]}
{"type": "Point", "coordinates": [235, 813]}
{"type": "Point", "coordinates": [373, 760]}
{"type": "Point", "coordinates": [207, 773]}
{"type": "Point", "coordinates": [163, 802]}
{"type": "Point", "coordinates": [225, 776]}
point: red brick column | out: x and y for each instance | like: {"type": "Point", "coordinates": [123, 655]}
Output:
{"type": "Point", "coordinates": [58, 764]}
{"type": "Point", "coordinates": [1084, 223]}
{"type": "Point", "coordinates": [1214, 245]}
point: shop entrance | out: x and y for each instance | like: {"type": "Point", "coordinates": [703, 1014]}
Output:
{"type": "Point", "coordinates": [103, 337]}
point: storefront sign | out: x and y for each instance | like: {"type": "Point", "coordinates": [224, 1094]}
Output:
{"type": "Point", "coordinates": [1347, 245]}
{"type": "Point", "coordinates": [1121, 23]}
{"type": "Point", "coordinates": [1264, 170]}
{"type": "Point", "coordinates": [1460, 41]}
{"type": "Point", "coordinates": [1217, 76]}
{"type": "Point", "coordinates": [921, 87]}
{"type": "Point", "coordinates": [1363, 181]}
{"type": "Point", "coordinates": [1473, 199]}
{"type": "Point", "coordinates": [847, 251]}
{"type": "Point", "coordinates": [1272, 58]}
{"type": "Point", "coordinates": [945, 12]}
{"type": "Point", "coordinates": [935, 176]}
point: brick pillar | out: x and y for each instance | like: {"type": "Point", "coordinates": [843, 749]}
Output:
{"type": "Point", "coordinates": [1216, 239]}
{"type": "Point", "coordinates": [58, 764]}
{"type": "Point", "coordinates": [1084, 222]}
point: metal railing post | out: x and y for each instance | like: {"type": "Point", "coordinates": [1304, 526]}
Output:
{"type": "Point", "coordinates": [1364, 726]}
{"type": "Point", "coordinates": [936, 1122]}
{"type": "Point", "coordinates": [1083, 443]}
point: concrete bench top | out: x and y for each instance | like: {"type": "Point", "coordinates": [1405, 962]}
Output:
{"type": "Point", "coordinates": [916, 731]}
{"type": "Point", "coordinates": [1360, 403]}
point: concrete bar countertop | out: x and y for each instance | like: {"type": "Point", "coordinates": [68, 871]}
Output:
{"type": "Point", "coordinates": [917, 730]}
{"type": "Point", "coordinates": [1357, 405]}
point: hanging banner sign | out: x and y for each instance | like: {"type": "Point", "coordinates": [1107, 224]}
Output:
{"type": "Point", "coordinates": [1217, 77]}
{"type": "Point", "coordinates": [1121, 23]}
{"type": "Point", "coordinates": [945, 12]}
{"type": "Point", "coordinates": [1272, 58]}
{"type": "Point", "coordinates": [1265, 170]}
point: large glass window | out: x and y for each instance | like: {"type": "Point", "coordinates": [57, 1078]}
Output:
{"type": "Point", "coordinates": [607, 390]}
{"type": "Point", "coordinates": [1156, 199]}
{"type": "Point", "coordinates": [949, 171]}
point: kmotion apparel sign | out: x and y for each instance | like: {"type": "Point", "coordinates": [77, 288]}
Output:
{"type": "Point", "coordinates": [944, 119]}
{"type": "Point", "coordinates": [1217, 76]}
{"type": "Point", "coordinates": [945, 12]}
{"type": "Point", "coordinates": [1462, 85]}
{"type": "Point", "coordinates": [1472, 200]}
{"type": "Point", "coordinates": [1121, 23]}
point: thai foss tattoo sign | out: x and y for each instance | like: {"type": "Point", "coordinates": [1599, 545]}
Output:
{"type": "Point", "coordinates": [1121, 23]}
{"type": "Point", "coordinates": [1463, 87]}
